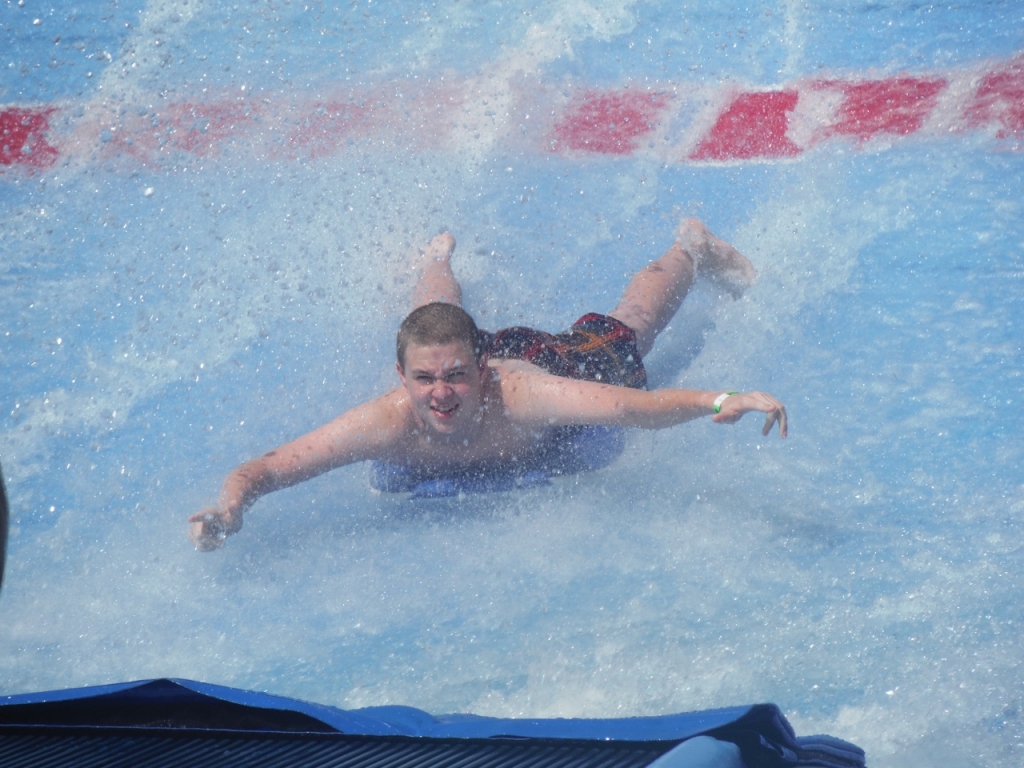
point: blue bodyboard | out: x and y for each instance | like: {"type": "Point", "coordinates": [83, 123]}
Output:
{"type": "Point", "coordinates": [569, 450]}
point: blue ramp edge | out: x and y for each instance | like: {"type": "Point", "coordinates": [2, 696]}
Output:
{"type": "Point", "coordinates": [184, 707]}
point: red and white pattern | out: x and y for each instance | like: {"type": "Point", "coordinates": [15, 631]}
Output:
{"type": "Point", "coordinates": [676, 123]}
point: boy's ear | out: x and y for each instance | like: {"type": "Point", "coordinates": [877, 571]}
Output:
{"type": "Point", "coordinates": [401, 372]}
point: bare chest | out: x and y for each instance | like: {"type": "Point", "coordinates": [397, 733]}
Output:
{"type": "Point", "coordinates": [497, 444]}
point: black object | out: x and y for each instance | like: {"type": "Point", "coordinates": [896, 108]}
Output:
{"type": "Point", "coordinates": [182, 722]}
{"type": "Point", "coordinates": [4, 526]}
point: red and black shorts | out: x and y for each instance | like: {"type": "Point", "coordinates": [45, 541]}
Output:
{"type": "Point", "coordinates": [597, 348]}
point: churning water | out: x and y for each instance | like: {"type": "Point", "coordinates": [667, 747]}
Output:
{"type": "Point", "coordinates": [203, 255]}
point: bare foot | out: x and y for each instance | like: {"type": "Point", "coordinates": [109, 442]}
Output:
{"type": "Point", "coordinates": [714, 258]}
{"type": "Point", "coordinates": [439, 249]}
{"type": "Point", "coordinates": [436, 282]}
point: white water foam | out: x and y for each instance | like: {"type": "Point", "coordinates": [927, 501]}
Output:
{"type": "Point", "coordinates": [707, 567]}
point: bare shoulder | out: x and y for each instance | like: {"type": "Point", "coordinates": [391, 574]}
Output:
{"type": "Point", "coordinates": [370, 430]}
{"type": "Point", "coordinates": [516, 378]}
{"type": "Point", "coordinates": [503, 368]}
{"type": "Point", "coordinates": [533, 397]}
{"type": "Point", "coordinates": [389, 414]}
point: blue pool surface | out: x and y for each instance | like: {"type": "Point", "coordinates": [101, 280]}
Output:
{"type": "Point", "coordinates": [166, 315]}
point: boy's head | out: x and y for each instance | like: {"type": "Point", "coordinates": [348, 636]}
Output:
{"type": "Point", "coordinates": [436, 324]}
{"type": "Point", "coordinates": [442, 367]}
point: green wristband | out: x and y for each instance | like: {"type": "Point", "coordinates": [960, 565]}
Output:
{"type": "Point", "coordinates": [721, 399]}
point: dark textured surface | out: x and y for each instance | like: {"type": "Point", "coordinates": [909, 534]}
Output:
{"type": "Point", "coordinates": [4, 524]}
{"type": "Point", "coordinates": [82, 747]}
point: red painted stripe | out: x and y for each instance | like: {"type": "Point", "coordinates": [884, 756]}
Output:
{"type": "Point", "coordinates": [23, 137]}
{"type": "Point", "coordinates": [198, 129]}
{"type": "Point", "coordinates": [323, 131]}
{"type": "Point", "coordinates": [896, 106]}
{"type": "Point", "coordinates": [754, 125]}
{"type": "Point", "coordinates": [444, 116]}
{"type": "Point", "coordinates": [201, 129]}
{"type": "Point", "coordinates": [608, 123]}
{"type": "Point", "coordinates": [999, 101]}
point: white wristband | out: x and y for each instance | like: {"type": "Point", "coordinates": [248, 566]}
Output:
{"type": "Point", "coordinates": [721, 399]}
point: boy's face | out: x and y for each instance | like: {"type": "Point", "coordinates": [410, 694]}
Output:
{"type": "Point", "coordinates": [445, 385]}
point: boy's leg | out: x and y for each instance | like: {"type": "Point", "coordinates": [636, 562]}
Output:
{"type": "Point", "coordinates": [656, 292]}
{"type": "Point", "coordinates": [437, 281]}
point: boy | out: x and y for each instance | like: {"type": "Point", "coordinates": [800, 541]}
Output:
{"type": "Point", "coordinates": [514, 399]}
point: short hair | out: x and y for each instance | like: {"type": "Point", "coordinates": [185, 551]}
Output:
{"type": "Point", "coordinates": [438, 323]}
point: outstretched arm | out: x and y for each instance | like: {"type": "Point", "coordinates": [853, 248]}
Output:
{"type": "Point", "coordinates": [542, 399]}
{"type": "Point", "coordinates": [367, 431]}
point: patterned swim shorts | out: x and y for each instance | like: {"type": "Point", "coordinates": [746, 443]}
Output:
{"type": "Point", "coordinates": [597, 348]}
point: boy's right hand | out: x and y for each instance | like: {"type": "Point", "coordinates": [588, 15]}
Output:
{"type": "Point", "coordinates": [209, 527]}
